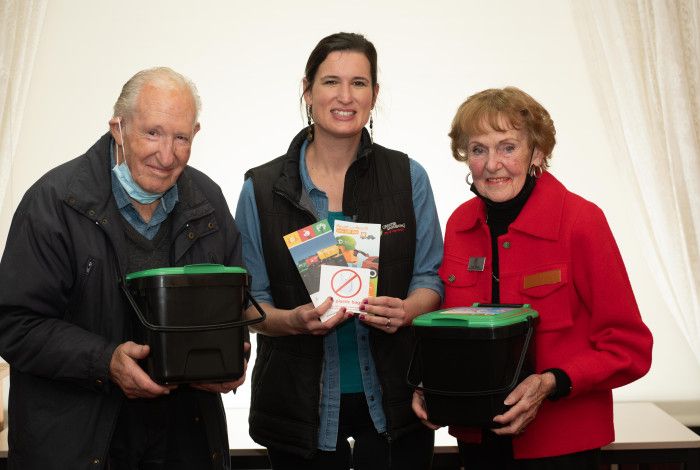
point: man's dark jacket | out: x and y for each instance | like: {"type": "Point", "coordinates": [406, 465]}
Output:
{"type": "Point", "coordinates": [284, 409]}
{"type": "Point", "coordinates": [62, 312]}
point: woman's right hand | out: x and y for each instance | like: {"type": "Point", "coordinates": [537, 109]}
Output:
{"type": "Point", "coordinates": [418, 405]}
{"type": "Point", "coordinates": [306, 319]}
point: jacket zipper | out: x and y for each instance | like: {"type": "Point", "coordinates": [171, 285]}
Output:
{"type": "Point", "coordinates": [80, 292]}
{"type": "Point", "coordinates": [89, 266]}
{"type": "Point", "coordinates": [121, 278]}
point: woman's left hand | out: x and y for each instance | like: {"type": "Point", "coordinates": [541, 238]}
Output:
{"type": "Point", "coordinates": [384, 313]}
{"type": "Point", "coordinates": [525, 399]}
{"type": "Point", "coordinates": [419, 408]}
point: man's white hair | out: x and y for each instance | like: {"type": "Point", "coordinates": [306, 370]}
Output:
{"type": "Point", "coordinates": [157, 75]}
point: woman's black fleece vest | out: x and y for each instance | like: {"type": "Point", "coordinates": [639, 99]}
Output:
{"type": "Point", "coordinates": [284, 412]}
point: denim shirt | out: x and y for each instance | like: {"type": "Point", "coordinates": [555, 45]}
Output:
{"type": "Point", "coordinates": [128, 211]}
{"type": "Point", "coordinates": [426, 263]}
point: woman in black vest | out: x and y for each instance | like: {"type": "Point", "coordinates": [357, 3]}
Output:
{"type": "Point", "coordinates": [315, 384]}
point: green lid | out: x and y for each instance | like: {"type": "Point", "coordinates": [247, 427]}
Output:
{"type": "Point", "coordinates": [193, 269]}
{"type": "Point", "coordinates": [477, 316]}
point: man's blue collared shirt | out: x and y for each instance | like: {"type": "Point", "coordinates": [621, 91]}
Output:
{"type": "Point", "coordinates": [426, 263]}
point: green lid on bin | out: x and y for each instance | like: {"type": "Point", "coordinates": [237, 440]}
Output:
{"type": "Point", "coordinates": [477, 316]}
{"type": "Point", "coordinates": [192, 269]}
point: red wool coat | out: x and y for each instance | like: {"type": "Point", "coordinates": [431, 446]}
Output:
{"type": "Point", "coordinates": [560, 257]}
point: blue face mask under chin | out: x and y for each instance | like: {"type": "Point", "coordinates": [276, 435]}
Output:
{"type": "Point", "coordinates": [123, 174]}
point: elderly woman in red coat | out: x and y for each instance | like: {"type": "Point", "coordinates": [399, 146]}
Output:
{"type": "Point", "coordinates": [552, 249]}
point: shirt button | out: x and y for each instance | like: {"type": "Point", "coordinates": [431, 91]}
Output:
{"type": "Point", "coordinates": [190, 235]}
{"type": "Point", "coordinates": [98, 381]}
{"type": "Point", "coordinates": [506, 245]}
{"type": "Point", "coordinates": [103, 221]}
{"type": "Point", "coordinates": [214, 455]}
{"type": "Point", "coordinates": [210, 225]}
{"type": "Point", "coordinates": [91, 213]}
{"type": "Point", "coordinates": [95, 461]}
{"type": "Point", "coordinates": [452, 278]}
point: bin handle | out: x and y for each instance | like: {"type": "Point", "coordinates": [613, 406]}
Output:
{"type": "Point", "coordinates": [450, 393]}
{"type": "Point", "coordinates": [214, 326]}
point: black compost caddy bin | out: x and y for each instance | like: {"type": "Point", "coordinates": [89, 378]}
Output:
{"type": "Point", "coordinates": [192, 319]}
{"type": "Point", "coordinates": [468, 359]}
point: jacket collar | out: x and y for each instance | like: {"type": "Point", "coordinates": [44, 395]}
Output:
{"type": "Point", "coordinates": [192, 203]}
{"type": "Point", "coordinates": [546, 199]}
{"type": "Point", "coordinates": [89, 190]}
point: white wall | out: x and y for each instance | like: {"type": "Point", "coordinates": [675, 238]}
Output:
{"type": "Point", "coordinates": [247, 59]}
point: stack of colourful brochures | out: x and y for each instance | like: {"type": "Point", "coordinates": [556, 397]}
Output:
{"type": "Point", "coordinates": [342, 263]}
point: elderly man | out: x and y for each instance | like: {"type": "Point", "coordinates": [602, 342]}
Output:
{"type": "Point", "coordinates": [78, 398]}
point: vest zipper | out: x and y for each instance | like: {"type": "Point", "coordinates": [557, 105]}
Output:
{"type": "Point", "coordinates": [387, 436]}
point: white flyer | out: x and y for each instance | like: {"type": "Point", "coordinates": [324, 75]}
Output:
{"type": "Point", "coordinates": [348, 286]}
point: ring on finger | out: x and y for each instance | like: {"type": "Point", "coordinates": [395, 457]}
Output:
{"type": "Point", "coordinates": [388, 323]}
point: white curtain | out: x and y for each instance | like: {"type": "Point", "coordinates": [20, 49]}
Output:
{"type": "Point", "coordinates": [645, 60]}
{"type": "Point", "coordinates": [20, 27]}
